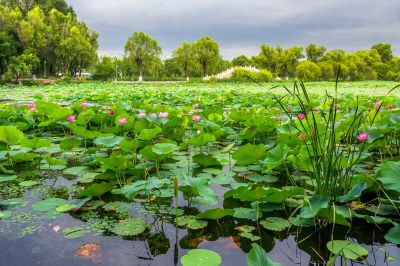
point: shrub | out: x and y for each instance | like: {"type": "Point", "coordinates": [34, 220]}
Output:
{"type": "Point", "coordinates": [245, 75]}
{"type": "Point", "coordinates": [105, 69]}
{"type": "Point", "coordinates": [308, 71]}
{"type": "Point", "coordinates": [327, 72]}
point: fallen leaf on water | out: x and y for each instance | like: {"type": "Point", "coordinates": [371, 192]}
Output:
{"type": "Point", "coordinates": [230, 242]}
{"type": "Point", "coordinates": [88, 251]}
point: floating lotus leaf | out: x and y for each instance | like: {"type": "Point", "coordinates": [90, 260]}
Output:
{"type": "Point", "coordinates": [275, 223]}
{"type": "Point", "coordinates": [201, 257]}
{"type": "Point", "coordinates": [130, 227]}
{"type": "Point", "coordinates": [347, 249]}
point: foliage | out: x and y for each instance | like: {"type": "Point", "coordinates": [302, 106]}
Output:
{"type": "Point", "coordinates": [22, 65]}
{"type": "Point", "coordinates": [289, 161]}
{"type": "Point", "coordinates": [184, 56]}
{"type": "Point", "coordinates": [105, 69]}
{"type": "Point", "coordinates": [198, 257]}
{"type": "Point", "coordinates": [142, 49]}
{"type": "Point", "coordinates": [206, 51]}
{"type": "Point", "coordinates": [258, 257]}
{"type": "Point", "coordinates": [308, 71]}
{"type": "Point", "coordinates": [50, 31]}
{"type": "Point", "coordinates": [242, 74]}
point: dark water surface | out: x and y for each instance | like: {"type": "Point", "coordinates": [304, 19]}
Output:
{"type": "Point", "coordinates": [29, 237]}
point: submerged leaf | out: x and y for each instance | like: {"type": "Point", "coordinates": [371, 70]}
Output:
{"type": "Point", "coordinates": [74, 232]}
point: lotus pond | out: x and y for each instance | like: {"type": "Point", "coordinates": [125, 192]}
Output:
{"type": "Point", "coordinates": [200, 174]}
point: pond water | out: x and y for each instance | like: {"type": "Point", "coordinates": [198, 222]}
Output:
{"type": "Point", "coordinates": [29, 237]}
{"type": "Point", "coordinates": [144, 175]}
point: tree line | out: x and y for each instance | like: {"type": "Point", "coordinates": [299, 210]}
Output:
{"type": "Point", "coordinates": [202, 58]}
{"type": "Point", "coordinates": [46, 38]}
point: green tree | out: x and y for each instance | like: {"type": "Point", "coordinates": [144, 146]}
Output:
{"type": "Point", "coordinates": [308, 71]}
{"type": "Point", "coordinates": [242, 61]}
{"type": "Point", "coordinates": [290, 60]}
{"type": "Point", "coordinates": [327, 72]}
{"type": "Point", "coordinates": [206, 51]}
{"type": "Point", "coordinates": [184, 57]}
{"type": "Point", "coordinates": [33, 31]}
{"type": "Point", "coordinates": [268, 58]}
{"type": "Point", "coordinates": [78, 50]}
{"type": "Point", "coordinates": [9, 19]}
{"type": "Point", "coordinates": [22, 65]}
{"type": "Point", "coordinates": [171, 67]}
{"type": "Point", "coordinates": [315, 53]}
{"type": "Point", "coordinates": [46, 5]}
{"type": "Point", "coordinates": [8, 48]}
{"type": "Point", "coordinates": [105, 68]}
{"type": "Point", "coordinates": [385, 51]}
{"type": "Point", "coordinates": [142, 49]}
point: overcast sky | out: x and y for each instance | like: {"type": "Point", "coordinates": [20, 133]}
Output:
{"type": "Point", "coordinates": [241, 26]}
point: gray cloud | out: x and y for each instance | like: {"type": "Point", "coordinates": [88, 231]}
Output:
{"type": "Point", "coordinates": [241, 26]}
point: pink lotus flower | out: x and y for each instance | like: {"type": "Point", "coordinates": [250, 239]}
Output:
{"type": "Point", "coordinates": [111, 113]}
{"type": "Point", "coordinates": [142, 114]}
{"type": "Point", "coordinates": [196, 118]}
{"type": "Point", "coordinates": [363, 137]}
{"type": "Point", "coordinates": [390, 106]}
{"type": "Point", "coordinates": [122, 121]}
{"type": "Point", "coordinates": [163, 114]}
{"type": "Point", "coordinates": [71, 118]}
{"type": "Point", "coordinates": [31, 106]}
{"type": "Point", "coordinates": [84, 104]}
{"type": "Point", "coordinates": [377, 104]}
{"type": "Point", "coordinates": [196, 105]}
{"type": "Point", "coordinates": [153, 115]}
{"type": "Point", "coordinates": [301, 116]}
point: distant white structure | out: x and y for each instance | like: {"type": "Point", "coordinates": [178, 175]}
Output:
{"type": "Point", "coordinates": [227, 74]}
{"type": "Point", "coordinates": [86, 75]}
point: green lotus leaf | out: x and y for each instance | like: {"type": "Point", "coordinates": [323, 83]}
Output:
{"type": "Point", "coordinates": [201, 257]}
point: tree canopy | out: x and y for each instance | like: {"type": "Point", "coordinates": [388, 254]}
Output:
{"type": "Point", "coordinates": [142, 49]}
{"type": "Point", "coordinates": [206, 52]}
{"type": "Point", "coordinates": [54, 36]}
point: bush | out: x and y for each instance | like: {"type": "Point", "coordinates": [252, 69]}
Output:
{"type": "Point", "coordinates": [105, 69]}
{"type": "Point", "coordinates": [327, 72]}
{"type": "Point", "coordinates": [308, 71]}
{"type": "Point", "coordinates": [30, 82]}
{"type": "Point", "coordinates": [395, 76]}
{"type": "Point", "coordinates": [245, 75]}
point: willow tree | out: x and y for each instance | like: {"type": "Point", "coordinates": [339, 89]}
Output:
{"type": "Point", "coordinates": [206, 51]}
{"type": "Point", "coordinates": [142, 49]}
{"type": "Point", "coordinates": [184, 57]}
